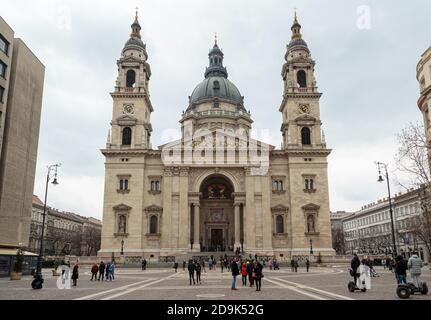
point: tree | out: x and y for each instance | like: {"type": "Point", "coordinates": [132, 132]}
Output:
{"type": "Point", "coordinates": [413, 159]}
{"type": "Point", "coordinates": [338, 241]}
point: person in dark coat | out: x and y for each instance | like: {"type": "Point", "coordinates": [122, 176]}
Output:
{"type": "Point", "coordinates": [354, 264]}
{"type": "Point", "coordinates": [184, 266]}
{"type": "Point", "coordinates": [401, 270]}
{"type": "Point", "coordinates": [296, 265]}
{"type": "Point", "coordinates": [292, 265]}
{"type": "Point", "coordinates": [198, 272]}
{"type": "Point", "coordinates": [307, 265]}
{"type": "Point", "coordinates": [176, 266]}
{"type": "Point", "coordinates": [235, 272]}
{"type": "Point", "coordinates": [144, 264]}
{"type": "Point", "coordinates": [94, 271]}
{"type": "Point", "coordinates": [250, 270]}
{"type": "Point", "coordinates": [191, 267]}
{"type": "Point", "coordinates": [258, 275]}
{"type": "Point", "coordinates": [75, 275]}
{"type": "Point", "coordinates": [108, 266]}
{"type": "Point", "coordinates": [101, 270]}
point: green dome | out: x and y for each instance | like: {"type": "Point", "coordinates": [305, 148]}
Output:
{"type": "Point", "coordinates": [215, 86]}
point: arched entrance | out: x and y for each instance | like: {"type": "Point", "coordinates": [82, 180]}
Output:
{"type": "Point", "coordinates": [217, 221]}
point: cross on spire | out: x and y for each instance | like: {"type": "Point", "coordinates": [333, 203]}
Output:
{"type": "Point", "coordinates": [215, 38]}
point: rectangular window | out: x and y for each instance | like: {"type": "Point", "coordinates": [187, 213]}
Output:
{"type": "Point", "coordinates": [124, 184]}
{"type": "Point", "coordinates": [1, 94]}
{"type": "Point", "coordinates": [4, 45]}
{"type": "Point", "coordinates": [3, 68]}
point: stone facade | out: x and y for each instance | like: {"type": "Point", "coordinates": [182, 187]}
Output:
{"type": "Point", "coordinates": [66, 233]}
{"type": "Point", "coordinates": [20, 113]}
{"type": "Point", "coordinates": [215, 189]}
{"type": "Point", "coordinates": [369, 230]}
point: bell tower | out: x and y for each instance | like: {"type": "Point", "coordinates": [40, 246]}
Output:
{"type": "Point", "coordinates": [131, 126]}
{"type": "Point", "coordinates": [300, 107]}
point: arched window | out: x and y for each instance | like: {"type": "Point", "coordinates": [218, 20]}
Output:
{"type": "Point", "coordinates": [311, 224]}
{"type": "Point", "coordinates": [301, 78]}
{"type": "Point", "coordinates": [311, 184]}
{"type": "Point", "coordinates": [275, 185]}
{"type": "Point", "coordinates": [279, 224]}
{"type": "Point", "coordinates": [216, 88]}
{"type": "Point", "coordinates": [153, 225]}
{"type": "Point", "coordinates": [130, 79]}
{"type": "Point", "coordinates": [157, 185]}
{"type": "Point", "coordinates": [127, 136]}
{"type": "Point", "coordinates": [306, 136]}
{"type": "Point", "coordinates": [280, 185]}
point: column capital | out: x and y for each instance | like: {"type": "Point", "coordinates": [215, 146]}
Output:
{"type": "Point", "coordinates": [238, 204]}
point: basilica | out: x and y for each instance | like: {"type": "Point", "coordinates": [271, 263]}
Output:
{"type": "Point", "coordinates": [216, 189]}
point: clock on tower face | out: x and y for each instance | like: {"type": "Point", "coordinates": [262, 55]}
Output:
{"type": "Point", "coordinates": [303, 108]}
{"type": "Point", "coordinates": [128, 109]}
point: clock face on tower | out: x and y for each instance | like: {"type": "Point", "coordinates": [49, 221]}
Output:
{"type": "Point", "coordinates": [304, 108]}
{"type": "Point", "coordinates": [128, 109]}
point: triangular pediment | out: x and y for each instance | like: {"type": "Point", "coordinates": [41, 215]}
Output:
{"type": "Point", "coordinates": [127, 120]}
{"type": "Point", "coordinates": [305, 118]}
{"type": "Point", "coordinates": [122, 207]}
{"type": "Point", "coordinates": [279, 208]}
{"type": "Point", "coordinates": [311, 207]}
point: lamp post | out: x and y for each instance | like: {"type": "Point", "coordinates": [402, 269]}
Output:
{"type": "Point", "coordinates": [311, 246]}
{"type": "Point", "coordinates": [391, 212]}
{"type": "Point", "coordinates": [38, 279]}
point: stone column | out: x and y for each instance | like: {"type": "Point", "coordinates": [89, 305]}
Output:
{"type": "Point", "coordinates": [196, 234]}
{"type": "Point", "coordinates": [237, 227]}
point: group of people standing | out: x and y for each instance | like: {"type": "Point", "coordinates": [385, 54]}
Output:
{"type": "Point", "coordinates": [251, 269]}
{"type": "Point", "coordinates": [294, 265]}
{"type": "Point", "coordinates": [399, 266]}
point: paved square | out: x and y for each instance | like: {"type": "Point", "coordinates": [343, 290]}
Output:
{"type": "Point", "coordinates": [164, 284]}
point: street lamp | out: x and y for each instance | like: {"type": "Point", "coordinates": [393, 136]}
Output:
{"type": "Point", "coordinates": [391, 212]}
{"type": "Point", "coordinates": [311, 246]}
{"type": "Point", "coordinates": [38, 279]}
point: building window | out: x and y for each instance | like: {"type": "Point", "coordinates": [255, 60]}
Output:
{"type": "Point", "coordinates": [277, 185]}
{"type": "Point", "coordinates": [1, 94]}
{"type": "Point", "coordinates": [306, 136]}
{"type": "Point", "coordinates": [302, 79]}
{"type": "Point", "coordinates": [3, 68]}
{"type": "Point", "coordinates": [216, 88]}
{"type": "Point", "coordinates": [127, 136]}
{"type": "Point", "coordinates": [309, 184]}
{"type": "Point", "coordinates": [155, 185]}
{"type": "Point", "coordinates": [279, 224]}
{"type": "Point", "coordinates": [130, 79]}
{"type": "Point", "coordinates": [153, 224]}
{"type": "Point", "coordinates": [4, 45]}
{"type": "Point", "coordinates": [124, 184]}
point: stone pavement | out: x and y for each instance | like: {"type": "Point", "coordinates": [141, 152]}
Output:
{"type": "Point", "coordinates": [164, 284]}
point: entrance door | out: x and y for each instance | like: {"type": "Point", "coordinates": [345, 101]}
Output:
{"type": "Point", "coordinates": [216, 239]}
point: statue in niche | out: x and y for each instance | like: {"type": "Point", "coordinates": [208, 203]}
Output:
{"type": "Point", "coordinates": [310, 223]}
{"type": "Point", "coordinates": [122, 224]}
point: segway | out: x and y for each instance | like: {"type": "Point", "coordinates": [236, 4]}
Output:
{"type": "Point", "coordinates": [405, 290]}
{"type": "Point", "coordinates": [353, 287]}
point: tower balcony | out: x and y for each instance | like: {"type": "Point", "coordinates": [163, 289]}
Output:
{"type": "Point", "coordinates": [301, 90]}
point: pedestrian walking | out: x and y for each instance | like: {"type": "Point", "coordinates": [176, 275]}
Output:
{"type": "Point", "coordinates": [108, 266]}
{"type": "Point", "coordinates": [198, 272]}
{"type": "Point", "coordinates": [75, 275]}
{"type": "Point", "coordinates": [203, 265]}
{"type": "Point", "coordinates": [210, 263]}
{"type": "Point", "coordinates": [401, 270]}
{"type": "Point", "coordinates": [296, 265]}
{"type": "Point", "coordinates": [244, 273]}
{"type": "Point", "coordinates": [112, 271]}
{"type": "Point", "coordinates": [292, 265]}
{"type": "Point", "coordinates": [101, 270]}
{"type": "Point", "coordinates": [307, 265]}
{"type": "Point", "coordinates": [384, 263]}
{"type": "Point", "coordinates": [250, 270]}
{"type": "Point", "coordinates": [176, 266]}
{"type": "Point", "coordinates": [235, 273]}
{"type": "Point", "coordinates": [222, 265]}
{"type": "Point", "coordinates": [258, 275]}
{"type": "Point", "coordinates": [184, 266]}
{"type": "Point", "coordinates": [94, 271]}
{"type": "Point", "coordinates": [415, 265]}
{"type": "Point", "coordinates": [144, 264]}
{"type": "Point", "coordinates": [191, 268]}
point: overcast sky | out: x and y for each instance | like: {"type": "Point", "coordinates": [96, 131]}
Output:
{"type": "Point", "coordinates": [366, 70]}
